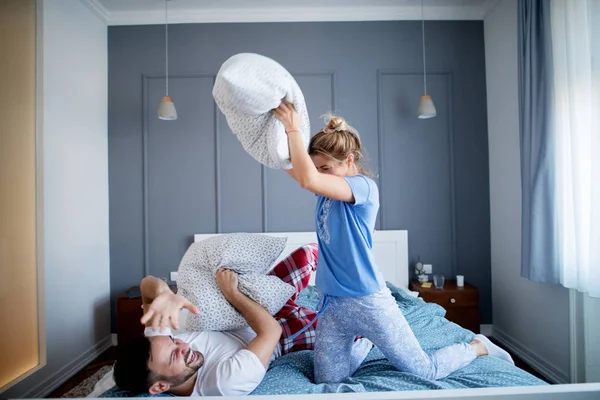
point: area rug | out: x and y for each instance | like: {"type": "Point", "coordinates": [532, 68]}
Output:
{"type": "Point", "coordinates": [87, 385]}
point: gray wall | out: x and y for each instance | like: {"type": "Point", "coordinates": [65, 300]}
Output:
{"type": "Point", "coordinates": [519, 304]}
{"type": "Point", "coordinates": [74, 162]}
{"type": "Point", "coordinates": [169, 180]}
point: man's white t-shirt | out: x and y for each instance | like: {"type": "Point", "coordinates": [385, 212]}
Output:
{"type": "Point", "coordinates": [229, 369]}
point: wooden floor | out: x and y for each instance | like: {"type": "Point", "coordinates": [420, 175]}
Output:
{"type": "Point", "coordinates": [522, 364]}
{"type": "Point", "coordinates": [108, 358]}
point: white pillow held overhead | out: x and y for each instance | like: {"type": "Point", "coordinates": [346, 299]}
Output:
{"type": "Point", "coordinates": [247, 87]}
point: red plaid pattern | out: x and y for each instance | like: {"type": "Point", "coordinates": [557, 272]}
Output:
{"type": "Point", "coordinates": [295, 270]}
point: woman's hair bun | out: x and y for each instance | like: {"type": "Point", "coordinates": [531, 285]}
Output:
{"type": "Point", "coordinates": [335, 124]}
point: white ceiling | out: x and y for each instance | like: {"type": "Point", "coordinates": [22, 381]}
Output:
{"type": "Point", "coordinates": [143, 12]}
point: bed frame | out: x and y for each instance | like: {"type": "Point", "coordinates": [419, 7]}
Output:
{"type": "Point", "coordinates": [587, 391]}
{"type": "Point", "coordinates": [390, 249]}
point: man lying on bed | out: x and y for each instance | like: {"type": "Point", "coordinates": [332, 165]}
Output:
{"type": "Point", "coordinates": [197, 363]}
{"type": "Point", "coordinates": [216, 363]}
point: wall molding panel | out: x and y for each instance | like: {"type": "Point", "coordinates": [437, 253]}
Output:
{"type": "Point", "coordinates": [381, 129]}
{"type": "Point", "coordinates": [172, 179]}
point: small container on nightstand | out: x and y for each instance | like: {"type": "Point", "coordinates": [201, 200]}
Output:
{"type": "Point", "coordinates": [461, 303]}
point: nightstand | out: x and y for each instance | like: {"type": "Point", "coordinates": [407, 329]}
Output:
{"type": "Point", "coordinates": [461, 303]}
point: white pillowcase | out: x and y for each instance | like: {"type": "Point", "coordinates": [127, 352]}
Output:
{"type": "Point", "coordinates": [408, 291]}
{"type": "Point", "coordinates": [247, 87]}
{"type": "Point", "coordinates": [250, 255]}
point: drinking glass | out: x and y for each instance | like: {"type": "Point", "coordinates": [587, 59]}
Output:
{"type": "Point", "coordinates": [438, 281]}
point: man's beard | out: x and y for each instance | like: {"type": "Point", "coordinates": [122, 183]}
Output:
{"type": "Point", "coordinates": [191, 368]}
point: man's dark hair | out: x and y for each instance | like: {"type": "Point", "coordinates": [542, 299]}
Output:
{"type": "Point", "coordinates": [131, 370]}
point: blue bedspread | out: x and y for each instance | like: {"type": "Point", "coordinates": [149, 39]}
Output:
{"type": "Point", "coordinates": [293, 373]}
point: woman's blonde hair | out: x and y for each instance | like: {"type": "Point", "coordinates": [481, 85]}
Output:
{"type": "Point", "coordinates": [336, 141]}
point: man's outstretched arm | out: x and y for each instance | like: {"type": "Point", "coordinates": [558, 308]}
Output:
{"type": "Point", "coordinates": [153, 287]}
{"type": "Point", "coordinates": [161, 305]}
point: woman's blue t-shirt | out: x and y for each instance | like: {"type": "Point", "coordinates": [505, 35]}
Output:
{"type": "Point", "coordinates": [346, 265]}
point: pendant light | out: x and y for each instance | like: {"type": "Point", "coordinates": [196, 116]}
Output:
{"type": "Point", "coordinates": [167, 110]}
{"type": "Point", "coordinates": [426, 107]}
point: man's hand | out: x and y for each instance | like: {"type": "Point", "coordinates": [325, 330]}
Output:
{"type": "Point", "coordinates": [164, 311]}
{"type": "Point", "coordinates": [228, 282]}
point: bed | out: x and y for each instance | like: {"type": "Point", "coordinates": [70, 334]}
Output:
{"type": "Point", "coordinates": [293, 373]}
{"type": "Point", "coordinates": [390, 250]}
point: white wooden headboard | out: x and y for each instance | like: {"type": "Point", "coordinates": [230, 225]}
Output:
{"type": "Point", "coordinates": [390, 249]}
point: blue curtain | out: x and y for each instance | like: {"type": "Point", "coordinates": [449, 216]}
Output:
{"type": "Point", "coordinates": [539, 249]}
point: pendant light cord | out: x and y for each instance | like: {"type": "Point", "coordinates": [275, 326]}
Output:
{"type": "Point", "coordinates": [423, 36]}
{"type": "Point", "coordinates": [167, 47]}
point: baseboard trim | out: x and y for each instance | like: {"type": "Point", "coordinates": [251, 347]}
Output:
{"type": "Point", "coordinates": [536, 362]}
{"type": "Point", "coordinates": [51, 383]}
{"type": "Point", "coordinates": [486, 330]}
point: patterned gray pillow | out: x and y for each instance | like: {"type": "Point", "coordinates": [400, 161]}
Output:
{"type": "Point", "coordinates": [250, 255]}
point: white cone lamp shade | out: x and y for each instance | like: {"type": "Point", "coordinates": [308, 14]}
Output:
{"type": "Point", "coordinates": [167, 110]}
{"type": "Point", "coordinates": [426, 107]}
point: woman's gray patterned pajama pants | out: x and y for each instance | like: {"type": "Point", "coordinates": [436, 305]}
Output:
{"type": "Point", "coordinates": [378, 318]}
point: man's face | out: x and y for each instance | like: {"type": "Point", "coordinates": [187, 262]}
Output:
{"type": "Point", "coordinates": [173, 360]}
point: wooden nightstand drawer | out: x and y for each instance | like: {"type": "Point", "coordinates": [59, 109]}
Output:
{"type": "Point", "coordinates": [466, 317]}
{"type": "Point", "coordinates": [461, 303]}
{"type": "Point", "coordinates": [455, 298]}
{"type": "Point", "coordinates": [129, 313]}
